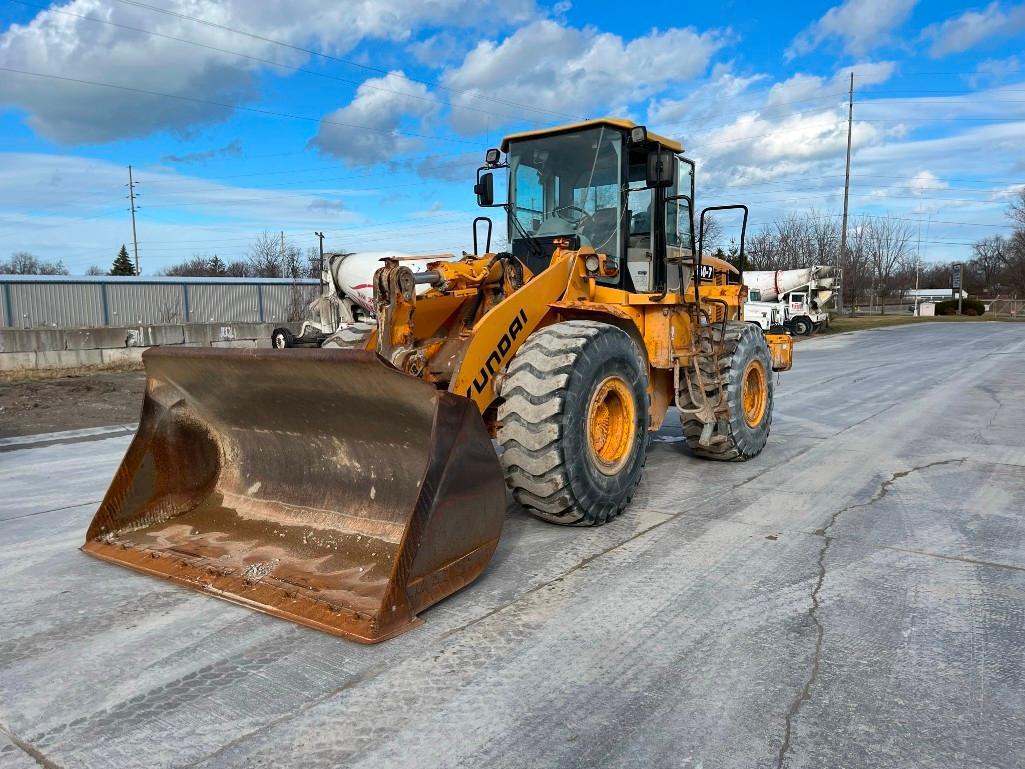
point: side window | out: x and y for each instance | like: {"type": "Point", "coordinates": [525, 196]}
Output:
{"type": "Point", "coordinates": [754, 295]}
{"type": "Point", "coordinates": [678, 230]}
{"type": "Point", "coordinates": [529, 197]}
{"type": "Point", "coordinates": [639, 203]}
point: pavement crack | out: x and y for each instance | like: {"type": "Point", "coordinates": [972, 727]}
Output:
{"type": "Point", "coordinates": [992, 393]}
{"type": "Point", "coordinates": [813, 614]}
{"type": "Point", "coordinates": [813, 611]}
{"type": "Point", "coordinates": [28, 749]}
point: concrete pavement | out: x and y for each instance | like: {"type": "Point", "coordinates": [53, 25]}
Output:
{"type": "Point", "coordinates": [855, 596]}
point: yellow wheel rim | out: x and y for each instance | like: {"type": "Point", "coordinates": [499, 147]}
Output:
{"type": "Point", "coordinates": [754, 393]}
{"type": "Point", "coordinates": [611, 424]}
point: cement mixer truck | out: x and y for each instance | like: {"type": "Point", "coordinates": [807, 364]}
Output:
{"type": "Point", "coordinates": [346, 305]}
{"type": "Point", "coordinates": [801, 296]}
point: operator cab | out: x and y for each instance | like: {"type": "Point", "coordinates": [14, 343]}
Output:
{"type": "Point", "coordinates": [606, 184]}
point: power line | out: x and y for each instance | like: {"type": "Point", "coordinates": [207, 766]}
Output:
{"type": "Point", "coordinates": [906, 178]}
{"type": "Point", "coordinates": [349, 62]}
{"type": "Point", "coordinates": [269, 62]}
{"type": "Point", "coordinates": [300, 182]}
{"type": "Point", "coordinates": [227, 105]}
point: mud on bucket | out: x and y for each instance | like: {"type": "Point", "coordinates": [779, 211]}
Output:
{"type": "Point", "coordinates": [322, 486]}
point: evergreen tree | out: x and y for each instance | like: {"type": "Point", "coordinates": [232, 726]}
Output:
{"type": "Point", "coordinates": [123, 263]}
{"type": "Point", "coordinates": [217, 268]}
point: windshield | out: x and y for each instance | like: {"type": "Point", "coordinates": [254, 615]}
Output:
{"type": "Point", "coordinates": [568, 185]}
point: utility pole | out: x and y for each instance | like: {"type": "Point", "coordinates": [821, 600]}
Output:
{"type": "Point", "coordinates": [918, 264]}
{"type": "Point", "coordinates": [131, 197]}
{"type": "Point", "coordinates": [846, 187]}
{"type": "Point", "coordinates": [321, 275]}
{"type": "Point", "coordinates": [281, 248]}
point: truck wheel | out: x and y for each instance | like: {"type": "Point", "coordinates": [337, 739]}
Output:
{"type": "Point", "coordinates": [745, 370]}
{"type": "Point", "coordinates": [801, 326]}
{"type": "Point", "coordinates": [574, 422]}
{"type": "Point", "coordinates": [281, 338]}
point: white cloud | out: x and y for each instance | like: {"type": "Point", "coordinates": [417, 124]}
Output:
{"type": "Point", "coordinates": [972, 27]}
{"type": "Point", "coordinates": [449, 168]}
{"type": "Point", "coordinates": [862, 25]}
{"type": "Point", "coordinates": [757, 148]}
{"type": "Point", "coordinates": [721, 94]}
{"type": "Point", "coordinates": [572, 72]}
{"type": "Point", "coordinates": [925, 182]}
{"type": "Point", "coordinates": [55, 42]}
{"type": "Point", "coordinates": [381, 104]}
{"type": "Point", "coordinates": [802, 87]}
{"type": "Point", "coordinates": [994, 70]}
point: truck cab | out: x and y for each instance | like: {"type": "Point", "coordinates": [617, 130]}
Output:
{"type": "Point", "coordinates": [806, 317]}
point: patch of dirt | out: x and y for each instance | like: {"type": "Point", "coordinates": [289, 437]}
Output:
{"type": "Point", "coordinates": [71, 402]}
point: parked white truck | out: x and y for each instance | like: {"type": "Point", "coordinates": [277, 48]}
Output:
{"type": "Point", "coordinates": [766, 315]}
{"type": "Point", "coordinates": [801, 296]}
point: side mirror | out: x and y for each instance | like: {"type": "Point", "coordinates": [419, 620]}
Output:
{"type": "Point", "coordinates": [661, 169]}
{"type": "Point", "coordinates": [484, 189]}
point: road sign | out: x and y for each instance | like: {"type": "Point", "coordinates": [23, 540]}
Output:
{"type": "Point", "coordinates": [955, 283]}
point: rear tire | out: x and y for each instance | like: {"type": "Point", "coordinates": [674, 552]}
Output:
{"type": "Point", "coordinates": [745, 369]}
{"type": "Point", "coordinates": [282, 338]}
{"type": "Point", "coordinates": [574, 422]}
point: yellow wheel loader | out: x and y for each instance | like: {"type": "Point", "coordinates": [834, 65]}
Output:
{"type": "Point", "coordinates": [349, 488]}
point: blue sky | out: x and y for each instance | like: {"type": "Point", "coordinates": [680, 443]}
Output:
{"type": "Point", "coordinates": [367, 119]}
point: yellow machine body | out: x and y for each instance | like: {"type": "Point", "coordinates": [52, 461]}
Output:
{"type": "Point", "coordinates": [348, 489]}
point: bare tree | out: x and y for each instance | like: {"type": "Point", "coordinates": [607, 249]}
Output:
{"type": "Point", "coordinates": [888, 242]}
{"type": "Point", "coordinates": [1014, 261]}
{"type": "Point", "coordinates": [1017, 208]}
{"type": "Point", "coordinates": [713, 235]}
{"type": "Point", "coordinates": [24, 263]}
{"type": "Point", "coordinates": [987, 263]}
{"type": "Point", "coordinates": [857, 266]}
{"type": "Point", "coordinates": [794, 241]}
{"type": "Point", "coordinates": [264, 257]}
{"type": "Point", "coordinates": [236, 269]}
{"type": "Point", "coordinates": [196, 267]}
{"type": "Point", "coordinates": [94, 270]}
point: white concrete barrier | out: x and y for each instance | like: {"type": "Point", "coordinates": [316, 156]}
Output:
{"type": "Point", "coordinates": [55, 349]}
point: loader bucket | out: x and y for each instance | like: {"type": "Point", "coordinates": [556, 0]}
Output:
{"type": "Point", "coordinates": [322, 486]}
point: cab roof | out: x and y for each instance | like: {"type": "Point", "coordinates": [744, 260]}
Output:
{"type": "Point", "coordinates": [616, 122]}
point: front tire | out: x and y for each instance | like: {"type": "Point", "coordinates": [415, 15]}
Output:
{"type": "Point", "coordinates": [801, 327]}
{"type": "Point", "coordinates": [745, 371]}
{"type": "Point", "coordinates": [574, 422]}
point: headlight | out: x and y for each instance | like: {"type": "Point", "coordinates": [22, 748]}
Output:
{"type": "Point", "coordinates": [591, 263]}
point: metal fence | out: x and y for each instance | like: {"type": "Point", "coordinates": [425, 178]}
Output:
{"type": "Point", "coordinates": [63, 301]}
